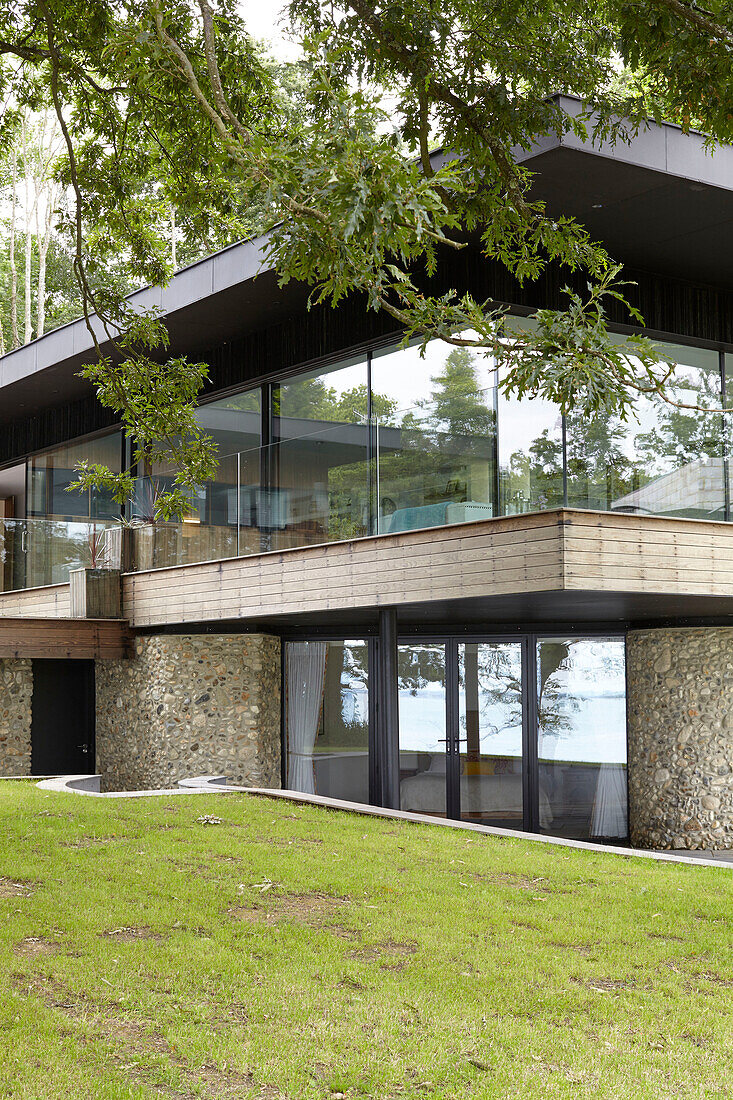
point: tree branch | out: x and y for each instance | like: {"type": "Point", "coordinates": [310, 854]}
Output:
{"type": "Point", "coordinates": [699, 18]}
{"type": "Point", "coordinates": [214, 74]}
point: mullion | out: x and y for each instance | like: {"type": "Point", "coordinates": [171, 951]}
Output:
{"type": "Point", "coordinates": [452, 732]}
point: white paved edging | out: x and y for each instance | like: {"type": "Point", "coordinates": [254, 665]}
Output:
{"type": "Point", "coordinates": [217, 784]}
{"type": "Point", "coordinates": [89, 785]}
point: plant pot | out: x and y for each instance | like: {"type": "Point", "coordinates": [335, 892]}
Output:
{"type": "Point", "coordinates": [95, 593]}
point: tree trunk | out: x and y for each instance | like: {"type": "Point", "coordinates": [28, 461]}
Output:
{"type": "Point", "coordinates": [28, 328]}
{"type": "Point", "coordinates": [43, 237]}
{"type": "Point", "coordinates": [14, 335]}
{"type": "Point", "coordinates": [28, 222]}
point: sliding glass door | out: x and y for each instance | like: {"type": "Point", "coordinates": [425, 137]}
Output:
{"type": "Point", "coordinates": [521, 733]}
{"type": "Point", "coordinates": [425, 762]}
{"type": "Point", "coordinates": [490, 733]}
{"type": "Point", "coordinates": [327, 718]}
{"type": "Point", "coordinates": [581, 737]}
{"type": "Point", "coordinates": [524, 732]}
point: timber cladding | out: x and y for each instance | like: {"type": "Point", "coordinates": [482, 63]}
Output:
{"type": "Point", "coordinates": [562, 550]}
{"type": "Point", "coordinates": [75, 639]}
{"type": "Point", "coordinates": [539, 552]}
{"type": "Point", "coordinates": [50, 602]}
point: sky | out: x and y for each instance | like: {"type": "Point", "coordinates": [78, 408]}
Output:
{"type": "Point", "coordinates": [264, 19]}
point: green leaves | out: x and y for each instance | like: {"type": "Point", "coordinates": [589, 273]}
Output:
{"type": "Point", "coordinates": [171, 107]}
{"type": "Point", "coordinates": [156, 402]}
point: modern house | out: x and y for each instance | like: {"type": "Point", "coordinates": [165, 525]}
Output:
{"type": "Point", "coordinates": [403, 587]}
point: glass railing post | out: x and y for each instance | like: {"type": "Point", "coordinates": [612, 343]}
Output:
{"type": "Point", "coordinates": [238, 510]}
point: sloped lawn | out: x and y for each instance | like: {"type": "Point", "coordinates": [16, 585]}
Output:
{"type": "Point", "coordinates": [295, 952]}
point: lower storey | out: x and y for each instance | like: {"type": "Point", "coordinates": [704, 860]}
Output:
{"type": "Point", "coordinates": [601, 736]}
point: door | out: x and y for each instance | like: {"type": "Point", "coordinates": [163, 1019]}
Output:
{"type": "Point", "coordinates": [519, 733]}
{"type": "Point", "coordinates": [489, 740]}
{"type": "Point", "coordinates": [581, 737]}
{"type": "Point", "coordinates": [62, 717]}
{"type": "Point", "coordinates": [426, 765]}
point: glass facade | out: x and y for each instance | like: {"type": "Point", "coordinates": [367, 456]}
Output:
{"type": "Point", "coordinates": [62, 530]}
{"type": "Point", "coordinates": [422, 711]}
{"type": "Point", "coordinates": [51, 473]}
{"type": "Point", "coordinates": [327, 718]}
{"type": "Point", "coordinates": [490, 708]}
{"type": "Point", "coordinates": [393, 440]}
{"type": "Point", "coordinates": [521, 733]}
{"type": "Point", "coordinates": [434, 423]}
{"type": "Point", "coordinates": [581, 736]}
{"type": "Point", "coordinates": [667, 459]}
{"type": "Point", "coordinates": [318, 463]}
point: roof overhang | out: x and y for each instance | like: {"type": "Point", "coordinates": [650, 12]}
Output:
{"type": "Point", "coordinates": [212, 301]}
{"type": "Point", "coordinates": [661, 202]}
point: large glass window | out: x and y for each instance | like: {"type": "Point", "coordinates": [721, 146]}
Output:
{"type": "Point", "coordinates": [530, 455]}
{"type": "Point", "coordinates": [665, 459]}
{"type": "Point", "coordinates": [51, 473]}
{"type": "Point", "coordinates": [66, 529]}
{"type": "Point", "coordinates": [221, 519]}
{"type": "Point", "coordinates": [423, 758]}
{"type": "Point", "coordinates": [318, 464]}
{"type": "Point", "coordinates": [327, 718]}
{"type": "Point", "coordinates": [530, 448]}
{"type": "Point", "coordinates": [235, 424]}
{"type": "Point", "coordinates": [480, 736]}
{"type": "Point", "coordinates": [728, 435]}
{"type": "Point", "coordinates": [581, 747]}
{"type": "Point", "coordinates": [435, 427]}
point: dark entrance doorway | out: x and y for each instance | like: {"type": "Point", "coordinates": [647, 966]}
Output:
{"type": "Point", "coordinates": [62, 718]}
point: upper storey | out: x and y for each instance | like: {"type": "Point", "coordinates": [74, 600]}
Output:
{"type": "Point", "coordinates": [662, 203]}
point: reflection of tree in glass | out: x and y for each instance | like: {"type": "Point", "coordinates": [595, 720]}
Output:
{"type": "Point", "coordinates": [535, 475]}
{"type": "Point", "coordinates": [683, 436]}
{"type": "Point", "coordinates": [242, 402]}
{"type": "Point", "coordinates": [557, 706]}
{"type": "Point", "coordinates": [601, 470]}
{"type": "Point", "coordinates": [445, 446]}
{"type": "Point", "coordinates": [553, 705]}
{"type": "Point", "coordinates": [458, 404]}
{"type": "Point", "coordinates": [343, 725]}
{"type": "Point", "coordinates": [491, 679]}
{"type": "Point", "coordinates": [348, 483]}
{"type": "Point", "coordinates": [598, 469]}
{"type": "Point", "coordinates": [418, 666]}
{"type": "Point", "coordinates": [312, 399]}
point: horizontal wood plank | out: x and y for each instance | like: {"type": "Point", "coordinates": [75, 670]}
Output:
{"type": "Point", "coordinates": [75, 639]}
{"type": "Point", "coordinates": [565, 549]}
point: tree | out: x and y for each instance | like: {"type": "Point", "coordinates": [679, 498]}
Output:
{"type": "Point", "coordinates": [459, 404]}
{"type": "Point", "coordinates": [168, 104]}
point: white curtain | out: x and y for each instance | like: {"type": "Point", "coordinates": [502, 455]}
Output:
{"type": "Point", "coordinates": [305, 669]}
{"type": "Point", "coordinates": [609, 806]}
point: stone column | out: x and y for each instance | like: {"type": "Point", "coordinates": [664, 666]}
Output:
{"type": "Point", "coordinates": [16, 691]}
{"type": "Point", "coordinates": [680, 720]}
{"type": "Point", "coordinates": [186, 705]}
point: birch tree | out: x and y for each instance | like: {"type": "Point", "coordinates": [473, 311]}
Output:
{"type": "Point", "coordinates": [50, 145]}
{"type": "Point", "coordinates": [14, 333]}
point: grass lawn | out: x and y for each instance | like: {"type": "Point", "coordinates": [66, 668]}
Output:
{"type": "Point", "coordinates": [296, 952]}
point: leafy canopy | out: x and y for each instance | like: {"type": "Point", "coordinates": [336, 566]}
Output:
{"type": "Point", "coordinates": [169, 104]}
